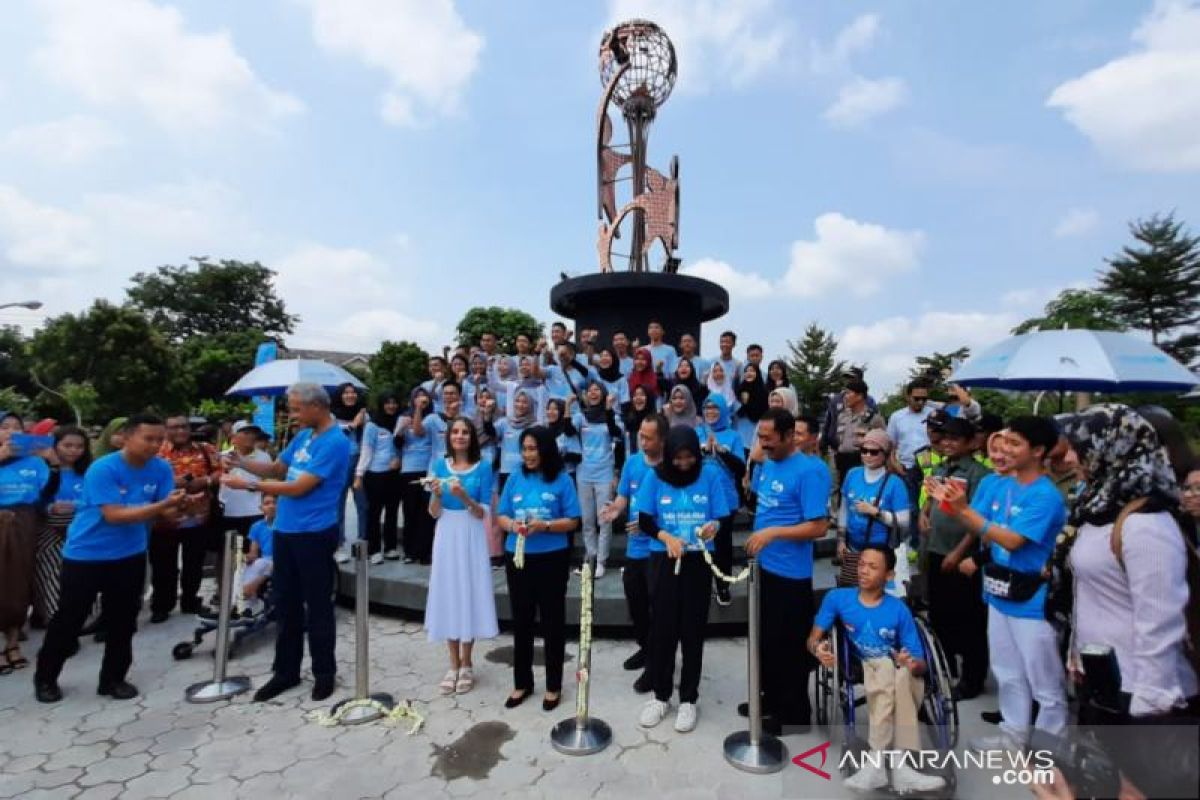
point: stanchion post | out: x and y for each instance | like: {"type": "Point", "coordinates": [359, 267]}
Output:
{"type": "Point", "coordinates": [362, 664]}
{"type": "Point", "coordinates": [751, 750]}
{"type": "Point", "coordinates": [583, 734]}
{"type": "Point", "coordinates": [222, 687]}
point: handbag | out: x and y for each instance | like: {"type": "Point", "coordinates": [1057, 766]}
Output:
{"type": "Point", "coordinates": [848, 574]}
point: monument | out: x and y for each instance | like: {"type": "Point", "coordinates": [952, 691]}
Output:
{"type": "Point", "coordinates": [637, 70]}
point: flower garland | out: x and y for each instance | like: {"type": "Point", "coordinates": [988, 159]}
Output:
{"type": "Point", "coordinates": [582, 676]}
{"type": "Point", "coordinates": [239, 568]}
{"type": "Point", "coordinates": [390, 716]}
{"type": "Point", "coordinates": [519, 549]}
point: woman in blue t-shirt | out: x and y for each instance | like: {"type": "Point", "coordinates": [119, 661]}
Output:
{"type": "Point", "coordinates": [722, 448]}
{"type": "Point", "coordinates": [874, 504]}
{"type": "Point", "coordinates": [565, 435]}
{"type": "Point", "coordinates": [416, 450]}
{"type": "Point", "coordinates": [59, 498]}
{"type": "Point", "coordinates": [603, 440]}
{"type": "Point", "coordinates": [23, 476]}
{"type": "Point", "coordinates": [538, 503]}
{"type": "Point", "coordinates": [349, 408]}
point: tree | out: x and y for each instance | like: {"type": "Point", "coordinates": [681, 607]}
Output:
{"type": "Point", "coordinates": [14, 361]}
{"type": "Point", "coordinates": [1077, 309]}
{"type": "Point", "coordinates": [126, 360]}
{"type": "Point", "coordinates": [214, 298]}
{"type": "Point", "coordinates": [397, 367]}
{"type": "Point", "coordinates": [1155, 284]}
{"type": "Point", "coordinates": [209, 364]}
{"type": "Point", "coordinates": [506, 323]}
{"type": "Point", "coordinates": [936, 367]}
{"type": "Point", "coordinates": [815, 370]}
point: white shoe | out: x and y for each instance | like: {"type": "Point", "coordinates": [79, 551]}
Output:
{"type": "Point", "coordinates": [392, 555]}
{"type": "Point", "coordinates": [869, 778]}
{"type": "Point", "coordinates": [377, 559]}
{"type": "Point", "coordinates": [341, 556]}
{"type": "Point", "coordinates": [905, 779]}
{"type": "Point", "coordinates": [653, 713]}
{"type": "Point", "coordinates": [685, 717]}
{"type": "Point", "coordinates": [599, 570]}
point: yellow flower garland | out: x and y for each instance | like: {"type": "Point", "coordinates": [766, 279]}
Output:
{"type": "Point", "coordinates": [585, 641]}
{"type": "Point", "coordinates": [390, 716]}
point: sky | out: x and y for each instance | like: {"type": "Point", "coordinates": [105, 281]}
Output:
{"type": "Point", "coordinates": [911, 176]}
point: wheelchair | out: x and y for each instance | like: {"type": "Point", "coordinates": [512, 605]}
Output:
{"type": "Point", "coordinates": [241, 628]}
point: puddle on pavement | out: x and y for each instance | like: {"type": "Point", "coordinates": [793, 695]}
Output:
{"type": "Point", "coordinates": [473, 754]}
{"type": "Point", "coordinates": [504, 655]}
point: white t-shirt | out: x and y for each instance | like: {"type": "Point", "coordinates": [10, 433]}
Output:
{"type": "Point", "coordinates": [242, 502]}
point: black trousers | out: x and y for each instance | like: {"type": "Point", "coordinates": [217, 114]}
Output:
{"type": "Point", "coordinates": [418, 525]}
{"type": "Point", "coordinates": [787, 618]}
{"type": "Point", "coordinates": [383, 501]}
{"type": "Point", "coordinates": [538, 592]}
{"type": "Point", "coordinates": [303, 585]}
{"type": "Point", "coordinates": [168, 548]}
{"type": "Point", "coordinates": [119, 584]}
{"type": "Point", "coordinates": [635, 579]}
{"type": "Point", "coordinates": [723, 546]}
{"type": "Point", "coordinates": [680, 614]}
{"type": "Point", "coordinates": [959, 618]}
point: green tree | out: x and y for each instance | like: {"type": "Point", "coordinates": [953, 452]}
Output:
{"type": "Point", "coordinates": [936, 367]}
{"type": "Point", "coordinates": [14, 361]}
{"type": "Point", "coordinates": [13, 400]}
{"type": "Point", "coordinates": [1077, 309]}
{"type": "Point", "coordinates": [506, 323]}
{"type": "Point", "coordinates": [116, 350]}
{"type": "Point", "coordinates": [397, 367]}
{"type": "Point", "coordinates": [815, 369]}
{"type": "Point", "coordinates": [208, 298]}
{"type": "Point", "coordinates": [210, 364]}
{"type": "Point", "coordinates": [1154, 284]}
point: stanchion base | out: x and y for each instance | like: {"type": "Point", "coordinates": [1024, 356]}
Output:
{"type": "Point", "coordinates": [570, 738]}
{"type": "Point", "coordinates": [361, 714]}
{"type": "Point", "coordinates": [212, 691]}
{"type": "Point", "coordinates": [765, 757]}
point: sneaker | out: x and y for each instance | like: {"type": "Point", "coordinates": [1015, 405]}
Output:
{"type": "Point", "coordinates": [905, 779]}
{"type": "Point", "coordinates": [724, 598]}
{"type": "Point", "coordinates": [392, 555]}
{"type": "Point", "coordinates": [377, 559]}
{"type": "Point", "coordinates": [685, 718]}
{"type": "Point", "coordinates": [341, 557]}
{"type": "Point", "coordinates": [599, 570]}
{"type": "Point", "coordinates": [868, 779]}
{"type": "Point", "coordinates": [653, 713]}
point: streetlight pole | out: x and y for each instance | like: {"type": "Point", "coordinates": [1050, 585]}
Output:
{"type": "Point", "coordinates": [32, 305]}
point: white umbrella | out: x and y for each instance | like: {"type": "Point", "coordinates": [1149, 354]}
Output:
{"type": "Point", "coordinates": [274, 377]}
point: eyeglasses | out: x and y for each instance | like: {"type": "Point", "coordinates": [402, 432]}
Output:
{"type": "Point", "coordinates": [870, 451]}
{"type": "Point", "coordinates": [919, 399]}
{"type": "Point", "coordinates": [1191, 488]}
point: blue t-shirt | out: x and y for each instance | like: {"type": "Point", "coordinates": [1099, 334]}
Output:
{"type": "Point", "coordinates": [569, 444]}
{"type": "Point", "coordinates": [562, 383]}
{"type": "Point", "coordinates": [22, 481]}
{"type": "Point", "coordinates": [700, 365]}
{"type": "Point", "coordinates": [633, 475]}
{"type": "Point", "coordinates": [598, 463]}
{"type": "Point", "coordinates": [790, 492]}
{"type": "Point", "coordinates": [876, 632]}
{"type": "Point", "coordinates": [326, 457]}
{"type": "Point", "coordinates": [731, 441]}
{"type": "Point", "coordinates": [510, 446]}
{"type": "Point", "coordinates": [529, 497]}
{"type": "Point", "coordinates": [618, 388]}
{"type": "Point", "coordinates": [112, 481]}
{"type": "Point", "coordinates": [261, 533]}
{"type": "Point", "coordinates": [680, 511]}
{"type": "Point", "coordinates": [855, 488]}
{"type": "Point", "coordinates": [476, 481]}
{"type": "Point", "coordinates": [664, 353]}
{"type": "Point", "coordinates": [436, 426]}
{"type": "Point", "coordinates": [1038, 513]}
{"type": "Point", "coordinates": [70, 486]}
{"type": "Point", "coordinates": [416, 451]}
{"type": "Point", "coordinates": [382, 444]}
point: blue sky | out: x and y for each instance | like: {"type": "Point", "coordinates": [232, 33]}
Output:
{"type": "Point", "coordinates": [913, 176]}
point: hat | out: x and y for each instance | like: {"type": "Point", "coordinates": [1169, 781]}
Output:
{"type": "Point", "coordinates": [246, 425]}
{"type": "Point", "coordinates": [937, 420]}
{"type": "Point", "coordinates": [879, 439]}
{"type": "Point", "coordinates": [958, 427]}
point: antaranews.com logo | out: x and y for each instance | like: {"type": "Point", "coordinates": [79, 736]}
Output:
{"type": "Point", "coordinates": [1012, 768]}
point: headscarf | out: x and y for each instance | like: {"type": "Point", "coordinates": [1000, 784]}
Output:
{"type": "Point", "coordinates": [722, 422]}
{"type": "Point", "coordinates": [724, 388]}
{"type": "Point", "coordinates": [529, 418]}
{"type": "Point", "coordinates": [598, 412]}
{"type": "Point", "coordinates": [382, 418]}
{"type": "Point", "coordinates": [692, 383]}
{"type": "Point", "coordinates": [688, 417]}
{"type": "Point", "coordinates": [564, 423]}
{"type": "Point", "coordinates": [412, 403]}
{"type": "Point", "coordinates": [613, 373]}
{"type": "Point", "coordinates": [103, 445]}
{"type": "Point", "coordinates": [879, 439]}
{"type": "Point", "coordinates": [345, 413]}
{"type": "Point", "coordinates": [789, 399]}
{"type": "Point", "coordinates": [679, 438]}
{"type": "Point", "coordinates": [754, 405]}
{"type": "Point", "coordinates": [1123, 460]}
{"type": "Point", "coordinates": [644, 377]}
{"type": "Point", "coordinates": [779, 362]}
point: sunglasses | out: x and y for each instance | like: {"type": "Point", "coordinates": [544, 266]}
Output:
{"type": "Point", "coordinates": [870, 451]}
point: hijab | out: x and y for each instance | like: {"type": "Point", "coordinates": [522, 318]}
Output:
{"type": "Point", "coordinates": [1123, 459]}
{"type": "Point", "coordinates": [754, 404]}
{"type": "Point", "coordinates": [722, 422]}
{"type": "Point", "coordinates": [724, 388]}
{"type": "Point", "coordinates": [344, 413]}
{"type": "Point", "coordinates": [595, 413]}
{"type": "Point", "coordinates": [688, 417]}
{"type": "Point", "coordinates": [529, 418]}
{"type": "Point", "coordinates": [644, 377]}
{"type": "Point", "coordinates": [692, 383]}
{"type": "Point", "coordinates": [103, 445]}
{"type": "Point", "coordinates": [564, 423]}
{"type": "Point", "coordinates": [382, 418]}
{"type": "Point", "coordinates": [680, 438]}
{"type": "Point", "coordinates": [411, 411]}
{"type": "Point", "coordinates": [613, 373]}
{"type": "Point", "coordinates": [789, 399]}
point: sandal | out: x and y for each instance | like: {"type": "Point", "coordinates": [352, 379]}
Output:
{"type": "Point", "coordinates": [20, 662]}
{"type": "Point", "coordinates": [466, 681]}
{"type": "Point", "coordinates": [448, 682]}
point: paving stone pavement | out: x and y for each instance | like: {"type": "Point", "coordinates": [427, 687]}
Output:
{"type": "Point", "coordinates": [89, 747]}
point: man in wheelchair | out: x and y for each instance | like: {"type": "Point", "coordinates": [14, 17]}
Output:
{"type": "Point", "coordinates": [884, 637]}
{"type": "Point", "coordinates": [259, 563]}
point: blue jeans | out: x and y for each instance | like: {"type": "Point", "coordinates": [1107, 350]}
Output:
{"type": "Point", "coordinates": [303, 587]}
{"type": "Point", "coordinates": [360, 506]}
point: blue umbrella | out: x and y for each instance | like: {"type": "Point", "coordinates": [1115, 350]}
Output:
{"type": "Point", "coordinates": [274, 377]}
{"type": "Point", "coordinates": [1075, 361]}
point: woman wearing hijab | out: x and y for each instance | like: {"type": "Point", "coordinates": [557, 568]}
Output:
{"type": "Point", "coordinates": [752, 402]}
{"type": "Point", "coordinates": [416, 452]}
{"type": "Point", "coordinates": [603, 443]}
{"type": "Point", "coordinates": [723, 450]}
{"type": "Point", "coordinates": [641, 405]}
{"type": "Point", "coordinates": [1130, 565]}
{"type": "Point", "coordinates": [350, 411]}
{"type": "Point", "coordinates": [644, 376]}
{"type": "Point", "coordinates": [475, 382]}
{"type": "Point", "coordinates": [777, 375]}
{"type": "Point", "coordinates": [508, 433]}
{"type": "Point", "coordinates": [377, 474]}
{"type": "Point", "coordinates": [681, 408]}
{"type": "Point", "coordinates": [685, 375]}
{"type": "Point", "coordinates": [679, 506]}
{"type": "Point", "coordinates": [608, 371]}
{"type": "Point", "coordinates": [874, 503]}
{"type": "Point", "coordinates": [723, 384]}
{"type": "Point", "coordinates": [784, 397]}
{"type": "Point", "coordinates": [111, 439]}
{"type": "Point", "coordinates": [23, 478]}
{"type": "Point", "coordinates": [559, 423]}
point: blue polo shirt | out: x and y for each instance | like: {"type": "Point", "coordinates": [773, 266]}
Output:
{"type": "Point", "coordinates": [112, 481]}
{"type": "Point", "coordinates": [681, 510]}
{"type": "Point", "coordinates": [790, 492]}
{"type": "Point", "coordinates": [529, 497]}
{"type": "Point", "coordinates": [327, 457]}
{"type": "Point", "coordinates": [855, 488]}
{"type": "Point", "coordinates": [477, 482]}
{"type": "Point", "coordinates": [22, 480]}
{"type": "Point", "coordinates": [875, 631]}
{"type": "Point", "coordinates": [633, 474]}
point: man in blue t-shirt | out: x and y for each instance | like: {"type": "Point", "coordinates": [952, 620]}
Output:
{"type": "Point", "coordinates": [792, 492]}
{"type": "Point", "coordinates": [1018, 519]}
{"type": "Point", "coordinates": [307, 478]}
{"type": "Point", "coordinates": [652, 435]}
{"type": "Point", "coordinates": [105, 554]}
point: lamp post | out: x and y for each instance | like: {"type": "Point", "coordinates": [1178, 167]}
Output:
{"type": "Point", "coordinates": [32, 305]}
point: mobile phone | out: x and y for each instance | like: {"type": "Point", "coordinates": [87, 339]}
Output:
{"type": "Point", "coordinates": [26, 444]}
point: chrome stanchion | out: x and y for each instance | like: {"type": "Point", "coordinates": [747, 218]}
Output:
{"type": "Point", "coordinates": [222, 687]}
{"type": "Point", "coordinates": [382, 703]}
{"type": "Point", "coordinates": [582, 734]}
{"type": "Point", "coordinates": [751, 750]}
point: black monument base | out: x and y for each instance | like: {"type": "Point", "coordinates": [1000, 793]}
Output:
{"type": "Point", "coordinates": [607, 302]}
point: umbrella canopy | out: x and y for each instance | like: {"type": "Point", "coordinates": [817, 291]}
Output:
{"type": "Point", "coordinates": [1076, 361]}
{"type": "Point", "coordinates": [274, 377]}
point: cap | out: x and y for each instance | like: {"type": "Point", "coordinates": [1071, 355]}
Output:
{"type": "Point", "coordinates": [958, 427]}
{"type": "Point", "coordinates": [245, 425]}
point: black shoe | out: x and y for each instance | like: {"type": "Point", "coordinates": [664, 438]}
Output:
{"type": "Point", "coordinates": [724, 598]}
{"type": "Point", "coordinates": [192, 606]}
{"type": "Point", "coordinates": [159, 616]}
{"type": "Point", "coordinates": [550, 705]}
{"type": "Point", "coordinates": [120, 690]}
{"type": "Point", "coordinates": [513, 702]}
{"type": "Point", "coordinates": [643, 684]}
{"type": "Point", "coordinates": [635, 661]}
{"type": "Point", "coordinates": [991, 717]}
{"type": "Point", "coordinates": [322, 687]}
{"type": "Point", "coordinates": [274, 687]}
{"type": "Point", "coordinates": [47, 691]}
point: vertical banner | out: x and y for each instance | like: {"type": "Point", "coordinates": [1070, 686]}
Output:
{"type": "Point", "coordinates": [264, 407]}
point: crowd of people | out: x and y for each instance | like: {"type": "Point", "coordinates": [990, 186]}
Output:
{"type": "Point", "coordinates": [1038, 542]}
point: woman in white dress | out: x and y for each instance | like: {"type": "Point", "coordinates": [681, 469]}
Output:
{"type": "Point", "coordinates": [461, 606]}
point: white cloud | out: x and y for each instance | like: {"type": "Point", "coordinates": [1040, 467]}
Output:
{"type": "Point", "coordinates": [862, 99]}
{"type": "Point", "coordinates": [716, 41]}
{"type": "Point", "coordinates": [40, 236]}
{"type": "Point", "coordinates": [363, 331]}
{"type": "Point", "coordinates": [860, 256]}
{"type": "Point", "coordinates": [747, 285]}
{"type": "Point", "coordinates": [427, 51]}
{"type": "Point", "coordinates": [857, 37]}
{"type": "Point", "coordinates": [137, 53]}
{"type": "Point", "coordinates": [1077, 222]}
{"type": "Point", "coordinates": [1143, 109]}
{"type": "Point", "coordinates": [67, 141]}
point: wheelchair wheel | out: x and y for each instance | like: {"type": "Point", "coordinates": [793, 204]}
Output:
{"type": "Point", "coordinates": [939, 704]}
{"type": "Point", "coordinates": [182, 651]}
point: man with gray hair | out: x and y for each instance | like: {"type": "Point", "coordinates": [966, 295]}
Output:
{"type": "Point", "coordinates": [307, 478]}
